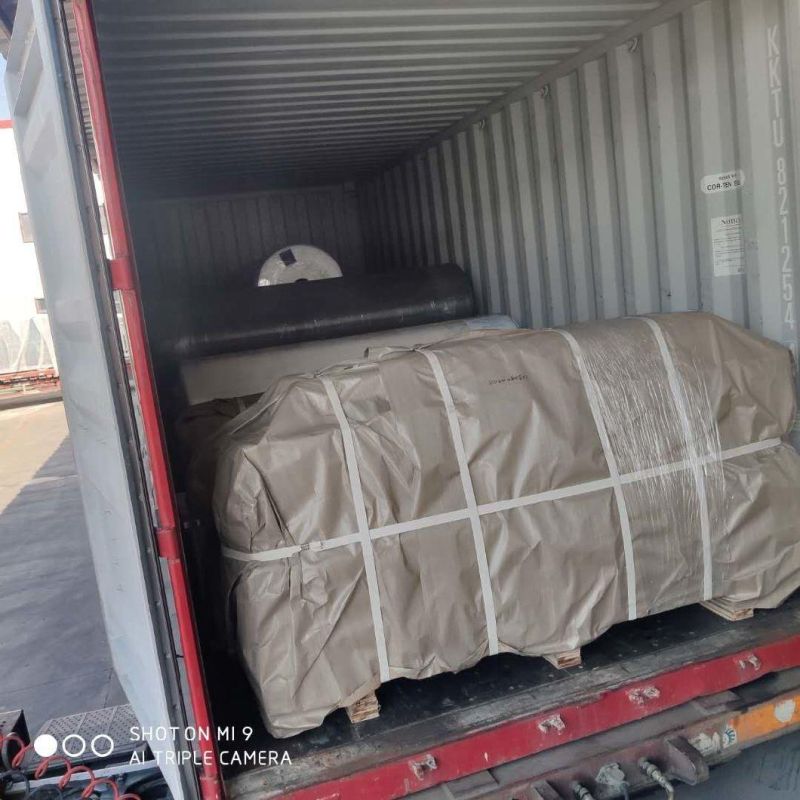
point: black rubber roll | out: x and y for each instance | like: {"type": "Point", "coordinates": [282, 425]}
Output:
{"type": "Point", "coordinates": [212, 323]}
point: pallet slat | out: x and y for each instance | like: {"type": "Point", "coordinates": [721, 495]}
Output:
{"type": "Point", "coordinates": [565, 660]}
{"type": "Point", "coordinates": [727, 610]}
{"type": "Point", "coordinates": [366, 708]}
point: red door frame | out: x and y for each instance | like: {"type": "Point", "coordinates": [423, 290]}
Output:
{"type": "Point", "coordinates": [124, 280]}
{"type": "Point", "coordinates": [482, 749]}
{"type": "Point", "coordinates": [530, 735]}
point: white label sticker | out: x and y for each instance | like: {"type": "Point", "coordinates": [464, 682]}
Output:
{"type": "Point", "coordinates": [784, 711]}
{"type": "Point", "coordinates": [722, 181]}
{"type": "Point", "coordinates": [727, 244]}
{"type": "Point", "coordinates": [707, 745]}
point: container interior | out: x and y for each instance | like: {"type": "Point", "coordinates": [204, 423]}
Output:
{"type": "Point", "coordinates": [244, 128]}
{"type": "Point", "coordinates": [578, 160]}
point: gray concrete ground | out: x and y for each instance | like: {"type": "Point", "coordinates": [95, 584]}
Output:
{"type": "Point", "coordinates": [54, 659]}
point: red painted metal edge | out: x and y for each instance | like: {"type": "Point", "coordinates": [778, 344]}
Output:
{"type": "Point", "coordinates": [550, 729]}
{"type": "Point", "coordinates": [124, 280]}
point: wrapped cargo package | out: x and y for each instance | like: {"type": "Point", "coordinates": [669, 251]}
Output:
{"type": "Point", "coordinates": [503, 491]}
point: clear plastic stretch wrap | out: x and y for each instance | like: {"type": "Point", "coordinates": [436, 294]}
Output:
{"type": "Point", "coordinates": [503, 491]}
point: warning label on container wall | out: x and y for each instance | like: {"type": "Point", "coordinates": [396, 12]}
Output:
{"type": "Point", "coordinates": [722, 181]}
{"type": "Point", "coordinates": [727, 244]}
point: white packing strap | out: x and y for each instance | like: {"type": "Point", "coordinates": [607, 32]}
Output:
{"type": "Point", "coordinates": [469, 494]}
{"type": "Point", "coordinates": [743, 450]}
{"type": "Point", "coordinates": [286, 552]}
{"type": "Point", "coordinates": [697, 471]}
{"type": "Point", "coordinates": [613, 471]}
{"type": "Point", "coordinates": [363, 527]}
{"type": "Point", "coordinates": [419, 524]}
{"type": "Point", "coordinates": [543, 497]}
{"type": "Point", "coordinates": [435, 520]}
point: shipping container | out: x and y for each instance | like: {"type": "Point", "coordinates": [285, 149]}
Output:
{"type": "Point", "coordinates": [579, 160]}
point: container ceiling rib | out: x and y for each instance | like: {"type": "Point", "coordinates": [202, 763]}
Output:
{"type": "Point", "coordinates": [211, 96]}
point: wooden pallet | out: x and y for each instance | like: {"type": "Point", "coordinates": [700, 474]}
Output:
{"type": "Point", "coordinates": [366, 708]}
{"type": "Point", "coordinates": [565, 660]}
{"type": "Point", "coordinates": [727, 610]}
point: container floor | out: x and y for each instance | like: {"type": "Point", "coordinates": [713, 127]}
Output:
{"type": "Point", "coordinates": [416, 715]}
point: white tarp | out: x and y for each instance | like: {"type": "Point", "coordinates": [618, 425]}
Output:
{"type": "Point", "coordinates": [503, 491]}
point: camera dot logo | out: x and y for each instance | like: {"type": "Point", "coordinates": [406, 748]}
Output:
{"type": "Point", "coordinates": [73, 745]}
{"type": "Point", "coordinates": [102, 745]}
{"type": "Point", "coordinates": [45, 745]}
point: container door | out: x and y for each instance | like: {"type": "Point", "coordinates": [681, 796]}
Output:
{"type": "Point", "coordinates": [69, 249]}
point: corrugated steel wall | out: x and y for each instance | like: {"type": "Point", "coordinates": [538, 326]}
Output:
{"type": "Point", "coordinates": [584, 198]}
{"type": "Point", "coordinates": [219, 95]}
{"type": "Point", "coordinates": [222, 241]}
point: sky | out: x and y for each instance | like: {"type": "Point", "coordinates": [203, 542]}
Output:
{"type": "Point", "coordinates": [19, 276]}
{"type": "Point", "coordinates": [4, 112]}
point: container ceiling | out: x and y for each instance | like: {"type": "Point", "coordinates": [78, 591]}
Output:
{"type": "Point", "coordinates": [214, 96]}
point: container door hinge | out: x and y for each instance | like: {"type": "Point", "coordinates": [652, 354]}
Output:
{"type": "Point", "coordinates": [121, 273]}
{"type": "Point", "coordinates": [169, 545]}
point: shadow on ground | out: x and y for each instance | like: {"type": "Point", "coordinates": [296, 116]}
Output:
{"type": "Point", "coordinates": [54, 658]}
